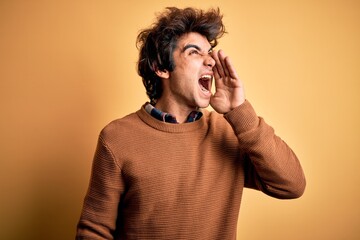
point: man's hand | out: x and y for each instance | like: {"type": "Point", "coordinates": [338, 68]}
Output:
{"type": "Point", "coordinates": [229, 91]}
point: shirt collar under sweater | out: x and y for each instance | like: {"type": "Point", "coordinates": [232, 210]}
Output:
{"type": "Point", "coordinates": [167, 117]}
{"type": "Point", "coordinates": [170, 127]}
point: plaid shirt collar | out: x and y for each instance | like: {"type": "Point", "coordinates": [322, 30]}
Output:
{"type": "Point", "coordinates": [167, 117]}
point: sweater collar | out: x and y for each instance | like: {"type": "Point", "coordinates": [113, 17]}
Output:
{"type": "Point", "coordinates": [170, 127]}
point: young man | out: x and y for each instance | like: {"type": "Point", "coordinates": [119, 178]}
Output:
{"type": "Point", "coordinates": [172, 170]}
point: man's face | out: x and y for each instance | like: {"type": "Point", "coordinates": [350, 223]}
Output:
{"type": "Point", "coordinates": [190, 82]}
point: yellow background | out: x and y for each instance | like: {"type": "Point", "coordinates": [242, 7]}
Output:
{"type": "Point", "coordinates": [67, 68]}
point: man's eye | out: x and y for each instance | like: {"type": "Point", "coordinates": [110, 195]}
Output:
{"type": "Point", "coordinates": [194, 52]}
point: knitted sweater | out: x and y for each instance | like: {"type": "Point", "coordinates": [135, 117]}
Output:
{"type": "Point", "coordinates": [157, 180]}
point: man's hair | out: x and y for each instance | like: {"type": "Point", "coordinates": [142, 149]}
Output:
{"type": "Point", "coordinates": [157, 43]}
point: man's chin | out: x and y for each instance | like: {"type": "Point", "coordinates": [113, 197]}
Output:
{"type": "Point", "coordinates": [204, 104]}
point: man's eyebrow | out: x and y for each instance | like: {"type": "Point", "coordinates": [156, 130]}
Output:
{"type": "Point", "coordinates": [196, 47]}
{"type": "Point", "coordinates": [191, 46]}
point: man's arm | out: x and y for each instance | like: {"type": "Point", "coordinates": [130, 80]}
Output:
{"type": "Point", "coordinates": [271, 166]}
{"type": "Point", "coordinates": [99, 214]}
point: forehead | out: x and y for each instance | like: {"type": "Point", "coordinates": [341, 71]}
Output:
{"type": "Point", "coordinates": [195, 39]}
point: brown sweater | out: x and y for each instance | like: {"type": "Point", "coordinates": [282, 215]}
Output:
{"type": "Point", "coordinates": [156, 180]}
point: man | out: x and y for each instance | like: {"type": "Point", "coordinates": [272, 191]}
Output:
{"type": "Point", "coordinates": [173, 170]}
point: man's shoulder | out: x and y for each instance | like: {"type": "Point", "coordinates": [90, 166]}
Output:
{"type": "Point", "coordinates": [211, 115]}
{"type": "Point", "coordinates": [216, 122]}
{"type": "Point", "coordinates": [121, 125]}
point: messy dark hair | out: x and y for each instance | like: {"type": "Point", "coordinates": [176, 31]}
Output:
{"type": "Point", "coordinates": [157, 43]}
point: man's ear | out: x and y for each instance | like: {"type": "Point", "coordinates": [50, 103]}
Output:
{"type": "Point", "coordinates": [165, 74]}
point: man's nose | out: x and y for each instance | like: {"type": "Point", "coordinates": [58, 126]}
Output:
{"type": "Point", "coordinates": [209, 61]}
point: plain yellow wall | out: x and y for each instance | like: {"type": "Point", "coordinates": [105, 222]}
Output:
{"type": "Point", "coordinates": [67, 68]}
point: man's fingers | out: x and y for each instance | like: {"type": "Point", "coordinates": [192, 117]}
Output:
{"type": "Point", "coordinates": [223, 68]}
{"type": "Point", "coordinates": [230, 68]}
{"type": "Point", "coordinates": [222, 59]}
{"type": "Point", "coordinates": [216, 73]}
{"type": "Point", "coordinates": [218, 65]}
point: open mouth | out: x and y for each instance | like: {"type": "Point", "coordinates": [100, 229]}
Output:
{"type": "Point", "coordinates": [205, 83]}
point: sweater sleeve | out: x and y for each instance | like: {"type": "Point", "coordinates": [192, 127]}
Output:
{"type": "Point", "coordinates": [99, 213]}
{"type": "Point", "coordinates": [271, 166]}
